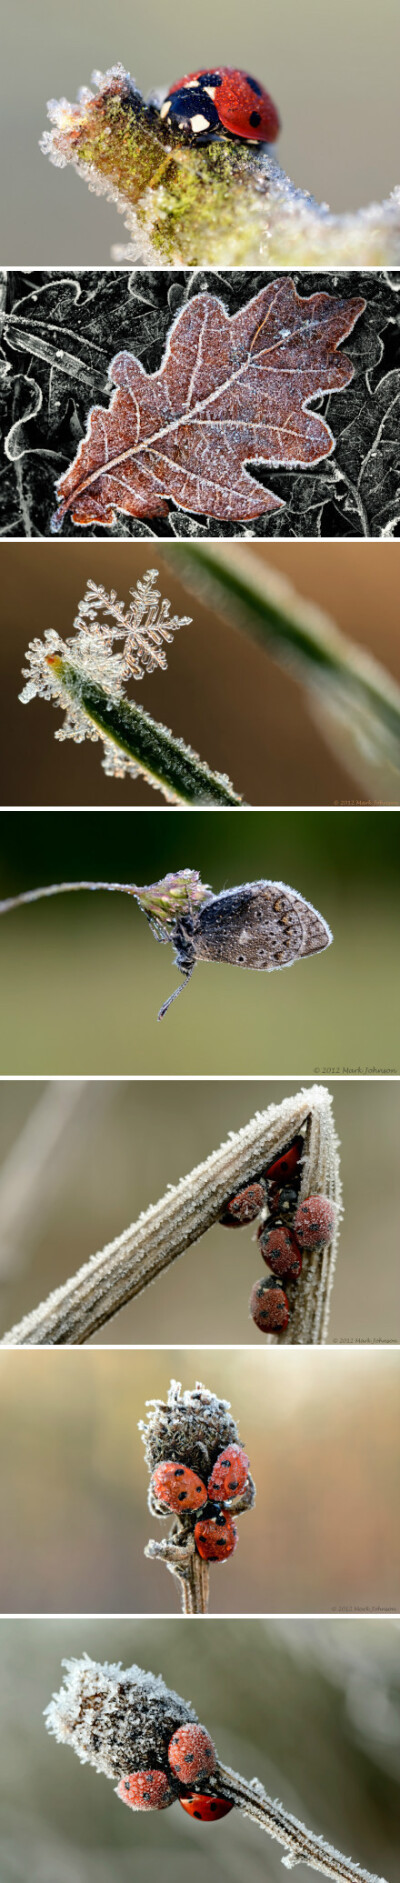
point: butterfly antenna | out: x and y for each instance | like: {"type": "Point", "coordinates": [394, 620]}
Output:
{"type": "Point", "coordinates": [61, 889]}
{"type": "Point", "coordinates": [174, 996]}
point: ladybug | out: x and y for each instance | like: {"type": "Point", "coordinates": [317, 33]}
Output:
{"type": "Point", "coordinates": [146, 1791]}
{"type": "Point", "coordinates": [244, 1207]}
{"type": "Point", "coordinates": [191, 1754]}
{"type": "Point", "coordinates": [285, 1165]}
{"type": "Point", "coordinates": [314, 1223]}
{"type": "Point", "coordinates": [207, 1809]}
{"type": "Point", "coordinates": [280, 1250]}
{"type": "Point", "coordinates": [177, 1487]}
{"type": "Point", "coordinates": [269, 1307]}
{"type": "Point", "coordinates": [225, 99]}
{"type": "Point", "coordinates": [229, 1475]}
{"type": "Point", "coordinates": [215, 1538]}
{"type": "Point", "coordinates": [282, 1202]}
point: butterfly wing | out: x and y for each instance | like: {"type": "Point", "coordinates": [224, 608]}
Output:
{"type": "Point", "coordinates": [259, 925]}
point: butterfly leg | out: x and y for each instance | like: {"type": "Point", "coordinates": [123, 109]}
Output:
{"type": "Point", "coordinates": [177, 990]}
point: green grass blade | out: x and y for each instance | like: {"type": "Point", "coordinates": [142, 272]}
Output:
{"type": "Point", "coordinates": [166, 762]}
{"type": "Point", "coordinates": [356, 701]}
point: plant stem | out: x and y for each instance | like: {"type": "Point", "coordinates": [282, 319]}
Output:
{"type": "Point", "coordinates": [188, 1569]}
{"type": "Point", "coordinates": [302, 1846]}
{"type": "Point", "coordinates": [167, 762]}
{"type": "Point", "coordinates": [74, 1312]}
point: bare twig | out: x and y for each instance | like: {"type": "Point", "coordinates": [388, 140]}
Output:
{"type": "Point", "coordinates": [74, 1312]}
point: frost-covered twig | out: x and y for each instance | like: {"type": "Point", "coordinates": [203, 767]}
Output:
{"type": "Point", "coordinates": [86, 677]}
{"type": "Point", "coordinates": [227, 204]}
{"type": "Point", "coordinates": [74, 1312]}
{"type": "Point", "coordinates": [200, 1472]}
{"type": "Point", "coordinates": [124, 1723]}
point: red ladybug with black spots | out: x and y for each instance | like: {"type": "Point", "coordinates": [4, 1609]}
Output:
{"type": "Point", "coordinates": [222, 99]}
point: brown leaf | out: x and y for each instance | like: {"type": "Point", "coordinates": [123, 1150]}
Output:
{"type": "Point", "coordinates": [229, 391]}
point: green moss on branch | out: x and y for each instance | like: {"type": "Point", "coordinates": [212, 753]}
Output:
{"type": "Point", "coordinates": [224, 204]}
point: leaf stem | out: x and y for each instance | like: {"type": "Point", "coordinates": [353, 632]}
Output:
{"type": "Point", "coordinates": [167, 762]}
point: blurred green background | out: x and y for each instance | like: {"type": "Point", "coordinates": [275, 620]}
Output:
{"type": "Point", "coordinates": [312, 1708]}
{"type": "Point", "coordinates": [239, 710]}
{"type": "Point", "coordinates": [322, 1431]}
{"type": "Point", "coordinates": [79, 1161]}
{"type": "Point", "coordinates": [83, 979]}
{"type": "Point", "coordinates": [333, 72]}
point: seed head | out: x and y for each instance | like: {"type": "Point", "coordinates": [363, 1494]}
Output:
{"type": "Point", "coordinates": [119, 1720]}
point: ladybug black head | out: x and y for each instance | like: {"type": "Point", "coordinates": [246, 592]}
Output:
{"type": "Point", "coordinates": [191, 109]}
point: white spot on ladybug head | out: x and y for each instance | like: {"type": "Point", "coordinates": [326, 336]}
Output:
{"type": "Point", "coordinates": [210, 89]}
{"type": "Point", "coordinates": [199, 124]}
{"type": "Point", "coordinates": [190, 84]}
{"type": "Point", "coordinates": [165, 109]}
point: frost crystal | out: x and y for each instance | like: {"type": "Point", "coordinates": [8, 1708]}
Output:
{"type": "Point", "coordinates": [101, 621]}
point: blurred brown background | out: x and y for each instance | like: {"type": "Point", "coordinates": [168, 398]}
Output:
{"type": "Point", "coordinates": [224, 695]}
{"type": "Point", "coordinates": [333, 72]}
{"type": "Point", "coordinates": [311, 1707]}
{"type": "Point", "coordinates": [322, 1431]}
{"type": "Point", "coordinates": [78, 1161]}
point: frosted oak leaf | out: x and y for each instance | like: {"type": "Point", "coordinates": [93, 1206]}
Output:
{"type": "Point", "coordinates": [230, 391]}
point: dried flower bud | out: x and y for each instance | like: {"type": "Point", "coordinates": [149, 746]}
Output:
{"type": "Point", "coordinates": [119, 1720]}
{"type": "Point", "coordinates": [191, 1428]}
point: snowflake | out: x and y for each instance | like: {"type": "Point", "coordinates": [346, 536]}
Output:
{"type": "Point", "coordinates": [101, 622]}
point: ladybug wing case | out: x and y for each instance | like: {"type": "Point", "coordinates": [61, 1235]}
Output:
{"type": "Point", "coordinates": [259, 925]}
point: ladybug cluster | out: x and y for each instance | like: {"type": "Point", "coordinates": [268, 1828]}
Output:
{"type": "Point", "coordinates": [175, 1487]}
{"type": "Point", "coordinates": [223, 99]}
{"type": "Point", "coordinates": [287, 1230]}
{"type": "Point", "coordinates": [192, 1760]}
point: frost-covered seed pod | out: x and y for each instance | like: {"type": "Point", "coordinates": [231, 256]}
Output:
{"type": "Point", "coordinates": [120, 1720]}
{"type": "Point", "coordinates": [192, 1428]}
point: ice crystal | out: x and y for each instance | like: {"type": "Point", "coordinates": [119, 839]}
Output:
{"type": "Point", "coordinates": [101, 622]}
